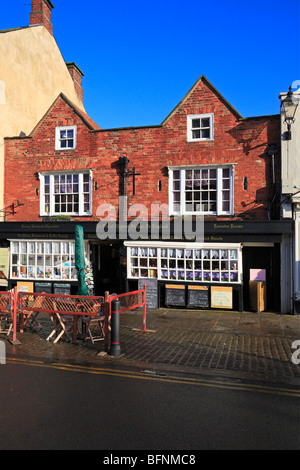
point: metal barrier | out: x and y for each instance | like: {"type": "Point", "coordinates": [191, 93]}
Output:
{"type": "Point", "coordinates": [5, 300]}
{"type": "Point", "coordinates": [58, 303]}
{"type": "Point", "coordinates": [27, 305]}
{"type": "Point", "coordinates": [128, 301]}
{"type": "Point", "coordinates": [6, 311]}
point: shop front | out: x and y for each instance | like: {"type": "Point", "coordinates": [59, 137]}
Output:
{"type": "Point", "coordinates": [216, 273]}
{"type": "Point", "coordinates": [219, 273]}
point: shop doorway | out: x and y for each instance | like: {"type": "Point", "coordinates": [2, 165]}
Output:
{"type": "Point", "coordinates": [106, 267]}
{"type": "Point", "coordinates": [267, 258]}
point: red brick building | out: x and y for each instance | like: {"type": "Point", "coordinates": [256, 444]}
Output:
{"type": "Point", "coordinates": [204, 159]}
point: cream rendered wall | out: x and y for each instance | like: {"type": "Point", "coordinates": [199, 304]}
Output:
{"type": "Point", "coordinates": [290, 150]}
{"type": "Point", "coordinates": [290, 174]}
{"type": "Point", "coordinates": [32, 75]}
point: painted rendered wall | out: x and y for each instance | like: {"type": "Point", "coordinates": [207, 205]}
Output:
{"type": "Point", "coordinates": [290, 155]}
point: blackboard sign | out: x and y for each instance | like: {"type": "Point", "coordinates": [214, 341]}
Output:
{"type": "Point", "coordinates": [151, 292]}
{"type": "Point", "coordinates": [43, 288]}
{"type": "Point", "coordinates": [198, 297]}
{"type": "Point", "coordinates": [62, 289]}
{"type": "Point", "coordinates": [175, 295]}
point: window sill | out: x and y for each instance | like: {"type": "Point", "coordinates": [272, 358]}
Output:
{"type": "Point", "coordinates": [189, 141]}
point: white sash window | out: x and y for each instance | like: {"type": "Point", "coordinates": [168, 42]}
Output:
{"type": "Point", "coordinates": [66, 193]}
{"type": "Point", "coordinates": [201, 190]}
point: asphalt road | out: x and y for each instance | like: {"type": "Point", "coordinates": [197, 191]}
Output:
{"type": "Point", "coordinates": [67, 407]}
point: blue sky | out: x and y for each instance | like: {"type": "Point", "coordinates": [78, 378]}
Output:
{"type": "Point", "coordinates": [140, 58]}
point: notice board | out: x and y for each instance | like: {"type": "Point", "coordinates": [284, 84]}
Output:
{"type": "Point", "coordinates": [221, 297]}
{"type": "Point", "coordinates": [25, 286]}
{"type": "Point", "coordinates": [151, 292]}
{"type": "Point", "coordinates": [62, 289]}
{"type": "Point", "coordinates": [43, 288]}
{"type": "Point", "coordinates": [198, 297]}
{"type": "Point", "coordinates": [175, 295]}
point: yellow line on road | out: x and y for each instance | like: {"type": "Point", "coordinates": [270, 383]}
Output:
{"type": "Point", "coordinates": [162, 378]}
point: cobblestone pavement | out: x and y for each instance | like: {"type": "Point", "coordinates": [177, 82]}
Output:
{"type": "Point", "coordinates": [249, 346]}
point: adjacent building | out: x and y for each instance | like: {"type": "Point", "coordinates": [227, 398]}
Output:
{"type": "Point", "coordinates": [290, 200]}
{"type": "Point", "coordinates": [32, 74]}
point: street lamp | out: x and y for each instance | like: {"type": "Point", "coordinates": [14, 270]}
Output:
{"type": "Point", "coordinates": [288, 108]}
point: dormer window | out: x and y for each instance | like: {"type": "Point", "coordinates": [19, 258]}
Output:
{"type": "Point", "coordinates": [65, 138]}
{"type": "Point", "coordinates": [200, 127]}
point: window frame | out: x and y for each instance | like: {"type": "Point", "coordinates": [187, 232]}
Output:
{"type": "Point", "coordinates": [185, 273]}
{"type": "Point", "coordinates": [190, 118]}
{"type": "Point", "coordinates": [81, 212]}
{"type": "Point", "coordinates": [43, 259]}
{"type": "Point", "coordinates": [58, 140]}
{"type": "Point", "coordinates": [219, 189]}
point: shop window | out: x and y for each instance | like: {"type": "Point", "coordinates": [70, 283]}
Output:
{"type": "Point", "coordinates": [197, 263]}
{"type": "Point", "coordinates": [36, 260]}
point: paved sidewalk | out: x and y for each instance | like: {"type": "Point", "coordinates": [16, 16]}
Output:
{"type": "Point", "coordinates": [243, 346]}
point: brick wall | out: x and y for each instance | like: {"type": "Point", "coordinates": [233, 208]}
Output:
{"type": "Point", "coordinates": [41, 14]}
{"type": "Point", "coordinates": [150, 150]}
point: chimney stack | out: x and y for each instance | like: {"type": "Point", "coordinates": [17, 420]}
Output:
{"type": "Point", "coordinates": [76, 75]}
{"type": "Point", "coordinates": [41, 14]}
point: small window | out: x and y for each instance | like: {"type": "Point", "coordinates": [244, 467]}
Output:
{"type": "Point", "coordinates": [200, 127]}
{"type": "Point", "coordinates": [65, 138]}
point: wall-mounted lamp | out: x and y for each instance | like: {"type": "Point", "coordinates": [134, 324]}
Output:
{"type": "Point", "coordinates": [288, 108]}
{"type": "Point", "coordinates": [95, 185]}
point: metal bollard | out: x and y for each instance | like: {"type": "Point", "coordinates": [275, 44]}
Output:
{"type": "Point", "coordinates": [115, 348]}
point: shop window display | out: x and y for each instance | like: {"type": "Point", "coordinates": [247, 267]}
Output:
{"type": "Point", "coordinates": [43, 260]}
{"type": "Point", "coordinates": [185, 264]}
